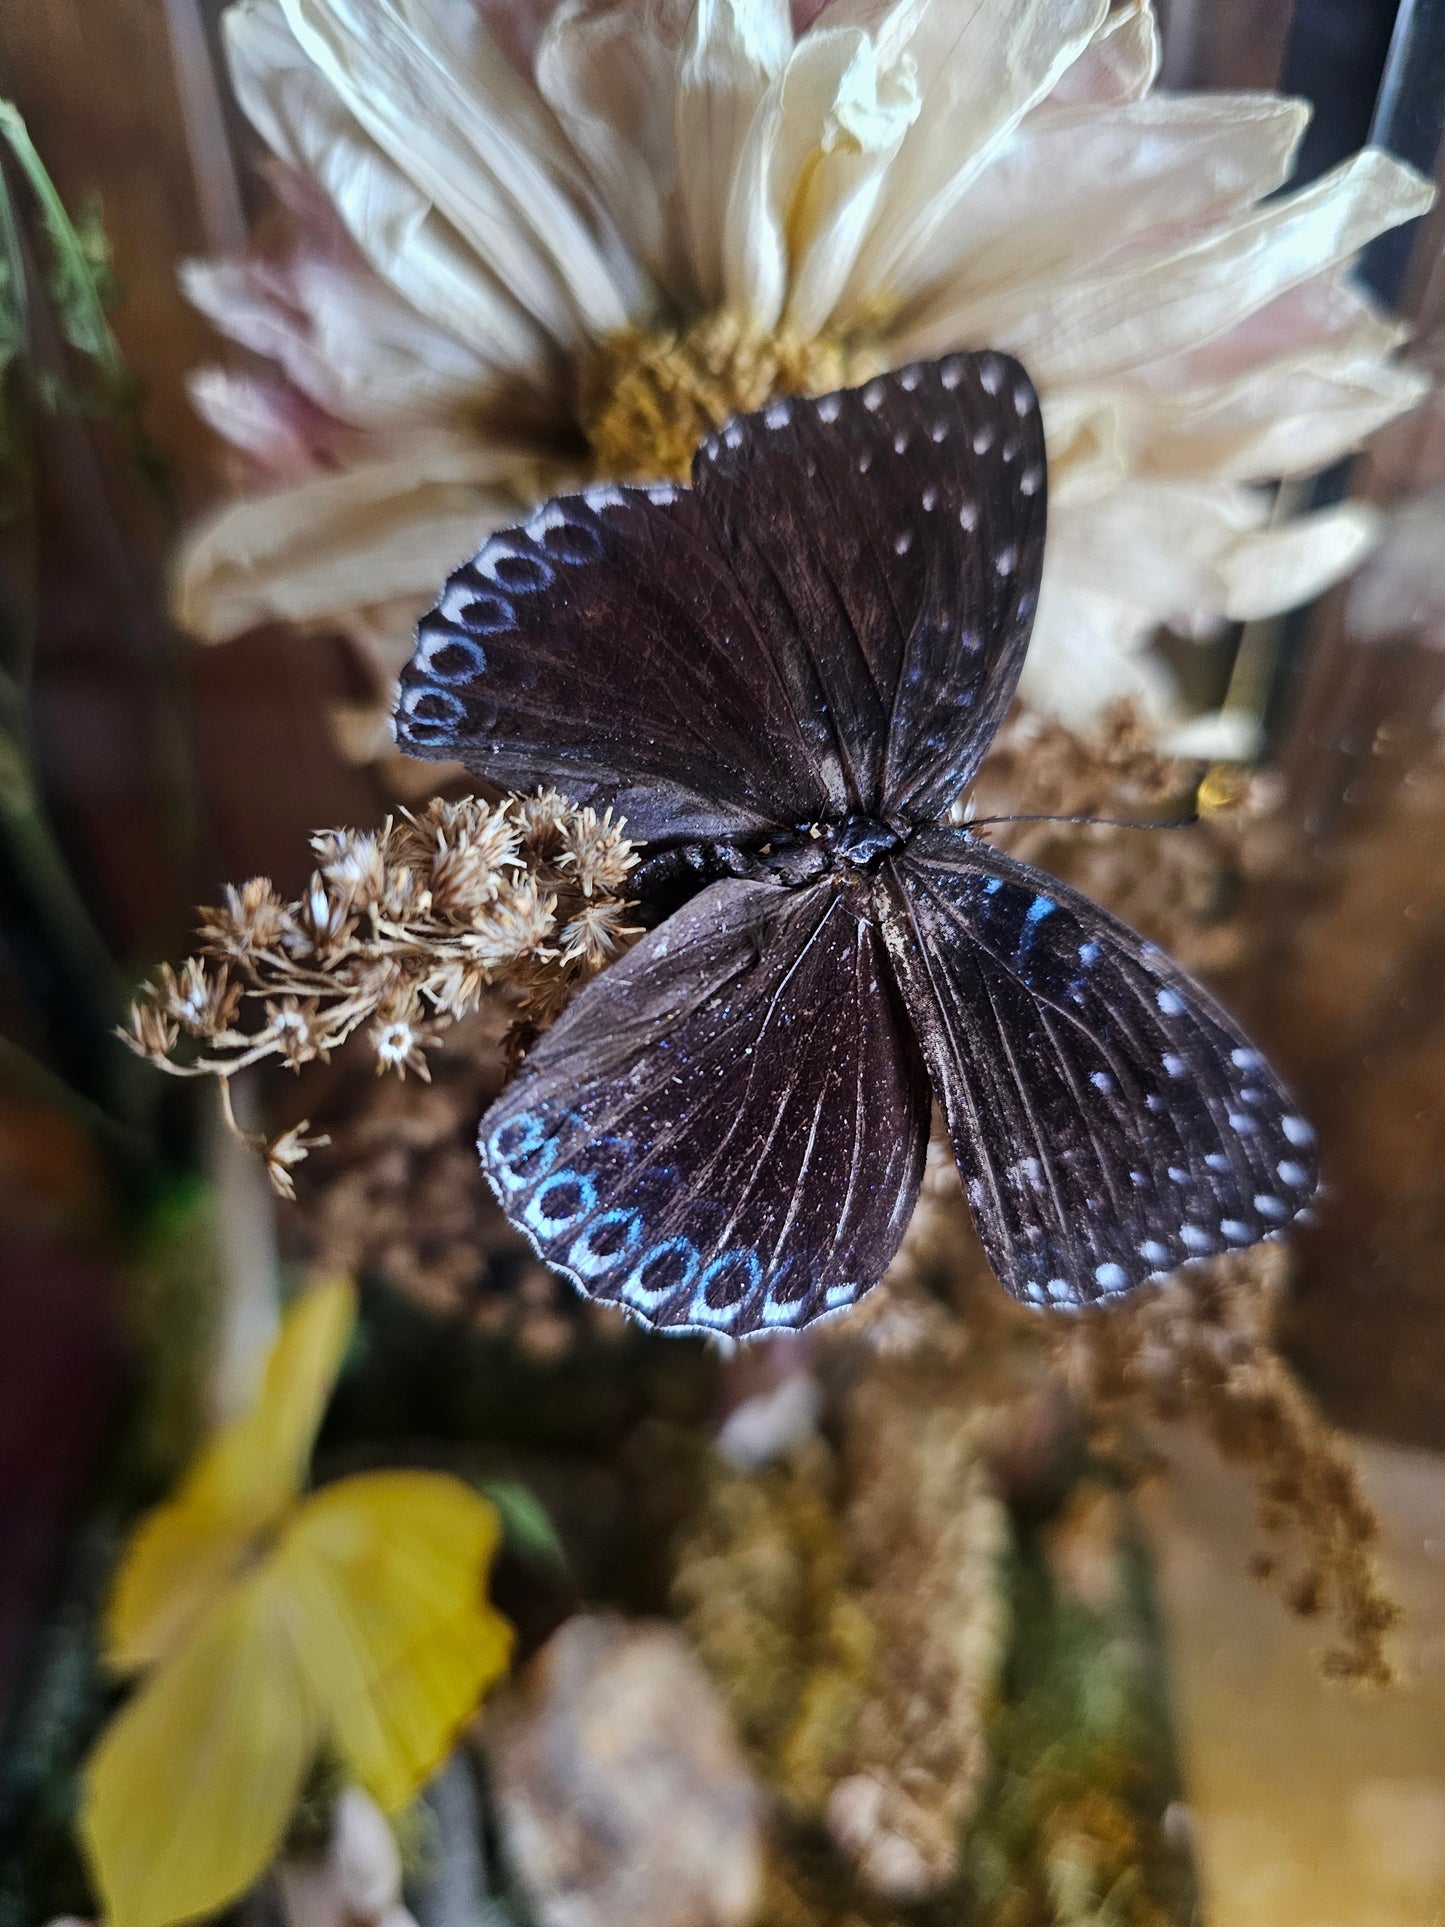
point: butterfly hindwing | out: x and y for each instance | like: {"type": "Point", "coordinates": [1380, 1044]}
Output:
{"type": "Point", "coordinates": [606, 646]}
{"type": "Point", "coordinates": [891, 538]}
{"type": "Point", "coordinates": [726, 1130]}
{"type": "Point", "coordinates": [1109, 1120]}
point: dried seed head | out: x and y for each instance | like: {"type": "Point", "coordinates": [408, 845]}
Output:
{"type": "Point", "coordinates": [252, 918]}
{"type": "Point", "coordinates": [456, 989]}
{"type": "Point", "coordinates": [398, 1037]}
{"type": "Point", "coordinates": [147, 1030]}
{"type": "Point", "coordinates": [539, 820]}
{"type": "Point", "coordinates": [287, 1150]}
{"type": "Point", "coordinates": [292, 1027]}
{"type": "Point", "coordinates": [517, 925]}
{"type": "Point", "coordinates": [352, 864]}
{"type": "Point", "coordinates": [202, 1005]}
{"type": "Point", "coordinates": [594, 851]}
{"type": "Point", "coordinates": [598, 933]}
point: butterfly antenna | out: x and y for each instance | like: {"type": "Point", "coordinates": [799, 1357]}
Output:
{"type": "Point", "coordinates": [1095, 822]}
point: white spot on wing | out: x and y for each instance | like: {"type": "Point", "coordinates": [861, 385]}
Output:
{"type": "Point", "coordinates": [903, 543]}
{"type": "Point", "coordinates": [1269, 1207]}
{"type": "Point", "coordinates": [1153, 1253]}
{"type": "Point", "coordinates": [873, 396]}
{"type": "Point", "coordinates": [1296, 1130]}
{"type": "Point", "coordinates": [1029, 481]}
{"type": "Point", "coordinates": [1005, 559]}
{"type": "Point", "coordinates": [983, 438]}
{"type": "Point", "coordinates": [990, 376]}
{"type": "Point", "coordinates": [1111, 1277]}
{"type": "Point", "coordinates": [968, 516]}
{"type": "Point", "coordinates": [829, 408]}
{"type": "Point", "coordinates": [1169, 1001]}
{"type": "Point", "coordinates": [908, 379]}
{"type": "Point", "coordinates": [1193, 1239]}
{"type": "Point", "coordinates": [929, 497]}
{"type": "Point", "coordinates": [1237, 1233]}
{"type": "Point", "coordinates": [1292, 1174]}
{"type": "Point", "coordinates": [777, 414]}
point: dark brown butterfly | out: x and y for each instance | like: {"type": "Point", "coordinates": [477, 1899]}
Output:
{"type": "Point", "coordinates": [783, 677]}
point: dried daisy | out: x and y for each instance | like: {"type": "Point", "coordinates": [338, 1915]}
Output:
{"type": "Point", "coordinates": [400, 933]}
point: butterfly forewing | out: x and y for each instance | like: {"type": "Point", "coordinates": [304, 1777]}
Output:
{"type": "Point", "coordinates": [891, 540]}
{"type": "Point", "coordinates": [607, 647]}
{"type": "Point", "coordinates": [726, 1131]}
{"type": "Point", "coordinates": [1109, 1120]}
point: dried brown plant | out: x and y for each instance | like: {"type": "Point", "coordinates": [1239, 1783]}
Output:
{"type": "Point", "coordinates": [401, 932]}
{"type": "Point", "coordinates": [1202, 1349]}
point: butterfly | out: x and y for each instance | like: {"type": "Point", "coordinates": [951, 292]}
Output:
{"type": "Point", "coordinates": [783, 676]}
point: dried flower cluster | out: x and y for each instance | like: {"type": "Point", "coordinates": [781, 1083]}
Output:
{"type": "Point", "coordinates": [1176, 885]}
{"type": "Point", "coordinates": [927, 1527]}
{"type": "Point", "coordinates": [858, 1634]}
{"type": "Point", "coordinates": [402, 931]}
{"type": "Point", "coordinates": [1202, 1348]}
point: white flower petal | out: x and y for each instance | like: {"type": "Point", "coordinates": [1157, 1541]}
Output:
{"type": "Point", "coordinates": [1120, 62]}
{"type": "Point", "coordinates": [1325, 315]}
{"type": "Point", "coordinates": [834, 204]}
{"type": "Point", "coordinates": [809, 176]}
{"type": "Point", "coordinates": [1155, 548]}
{"type": "Point", "coordinates": [732, 52]}
{"type": "Point", "coordinates": [267, 420]}
{"type": "Point", "coordinates": [429, 87]}
{"type": "Point", "coordinates": [1163, 301]}
{"type": "Point", "coordinates": [396, 228]}
{"type": "Point", "coordinates": [1069, 190]}
{"type": "Point", "coordinates": [1297, 561]}
{"type": "Point", "coordinates": [608, 69]}
{"type": "Point", "coordinates": [342, 336]}
{"type": "Point", "coordinates": [1086, 652]}
{"type": "Point", "coordinates": [981, 65]}
{"type": "Point", "coordinates": [1287, 417]}
{"type": "Point", "coordinates": [391, 527]}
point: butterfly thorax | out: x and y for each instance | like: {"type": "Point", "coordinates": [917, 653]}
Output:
{"type": "Point", "coordinates": [848, 848]}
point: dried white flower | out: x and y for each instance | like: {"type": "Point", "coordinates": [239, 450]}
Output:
{"type": "Point", "coordinates": [691, 205]}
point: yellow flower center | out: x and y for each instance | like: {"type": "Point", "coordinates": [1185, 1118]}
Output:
{"type": "Point", "coordinates": [648, 396]}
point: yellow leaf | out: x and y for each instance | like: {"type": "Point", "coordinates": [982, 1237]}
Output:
{"type": "Point", "coordinates": [385, 1574]}
{"type": "Point", "coordinates": [186, 1551]}
{"type": "Point", "coordinates": [188, 1793]}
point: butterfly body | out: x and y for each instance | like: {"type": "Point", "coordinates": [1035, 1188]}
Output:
{"type": "Point", "coordinates": [784, 677]}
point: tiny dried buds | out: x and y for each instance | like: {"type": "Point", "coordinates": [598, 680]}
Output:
{"type": "Point", "coordinates": [401, 931]}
